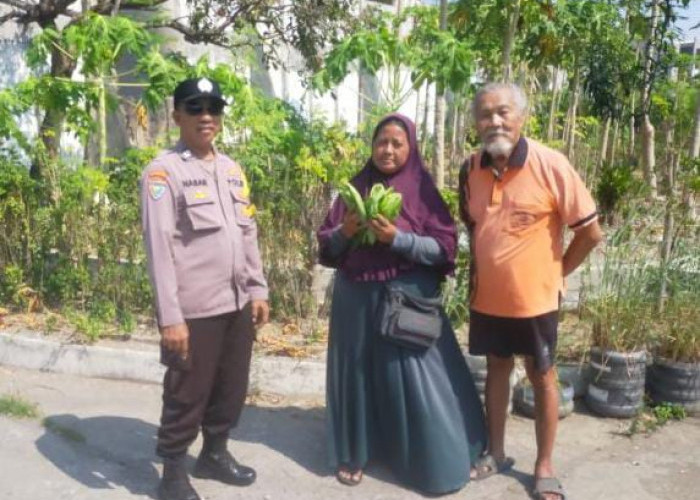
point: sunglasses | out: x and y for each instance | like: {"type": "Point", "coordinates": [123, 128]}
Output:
{"type": "Point", "coordinates": [196, 108]}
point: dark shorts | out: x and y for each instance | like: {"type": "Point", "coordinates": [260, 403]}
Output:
{"type": "Point", "coordinates": [505, 337]}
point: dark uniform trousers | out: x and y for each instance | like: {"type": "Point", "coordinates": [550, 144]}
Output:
{"type": "Point", "coordinates": [209, 388]}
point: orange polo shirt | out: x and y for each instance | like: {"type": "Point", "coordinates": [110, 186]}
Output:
{"type": "Point", "coordinates": [518, 235]}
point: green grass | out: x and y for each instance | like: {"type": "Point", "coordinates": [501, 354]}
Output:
{"type": "Point", "coordinates": [651, 418]}
{"type": "Point", "coordinates": [15, 406]}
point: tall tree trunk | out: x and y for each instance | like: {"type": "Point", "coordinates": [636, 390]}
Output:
{"type": "Point", "coordinates": [439, 158]}
{"type": "Point", "coordinates": [418, 116]}
{"type": "Point", "coordinates": [571, 139]}
{"type": "Point", "coordinates": [648, 153]}
{"type": "Point", "coordinates": [462, 132]}
{"type": "Point", "coordinates": [667, 239]}
{"type": "Point", "coordinates": [613, 145]}
{"type": "Point", "coordinates": [360, 98]}
{"type": "Point", "coordinates": [630, 150]}
{"type": "Point", "coordinates": [440, 105]}
{"type": "Point", "coordinates": [51, 128]}
{"type": "Point", "coordinates": [694, 150]}
{"type": "Point", "coordinates": [604, 143]}
{"type": "Point", "coordinates": [554, 106]}
{"type": "Point", "coordinates": [456, 109]}
{"type": "Point", "coordinates": [509, 41]}
{"type": "Point", "coordinates": [426, 110]}
{"type": "Point", "coordinates": [587, 175]}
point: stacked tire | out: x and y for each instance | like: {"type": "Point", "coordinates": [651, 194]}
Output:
{"type": "Point", "coordinates": [617, 382]}
{"type": "Point", "coordinates": [478, 368]}
{"type": "Point", "coordinates": [675, 382]}
{"type": "Point", "coordinates": [524, 399]}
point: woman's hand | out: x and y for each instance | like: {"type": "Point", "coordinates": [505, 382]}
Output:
{"type": "Point", "coordinates": [351, 224]}
{"type": "Point", "coordinates": [383, 229]}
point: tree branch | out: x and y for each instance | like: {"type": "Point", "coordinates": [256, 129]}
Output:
{"type": "Point", "coordinates": [18, 4]}
{"type": "Point", "coordinates": [10, 15]}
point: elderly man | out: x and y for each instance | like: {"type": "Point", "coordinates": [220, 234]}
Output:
{"type": "Point", "coordinates": [210, 292]}
{"type": "Point", "coordinates": [516, 196]}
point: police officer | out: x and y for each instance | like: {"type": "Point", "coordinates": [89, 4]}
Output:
{"type": "Point", "coordinates": [210, 292]}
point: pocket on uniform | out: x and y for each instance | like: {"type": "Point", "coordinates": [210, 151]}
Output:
{"type": "Point", "coordinates": [243, 207]}
{"type": "Point", "coordinates": [201, 210]}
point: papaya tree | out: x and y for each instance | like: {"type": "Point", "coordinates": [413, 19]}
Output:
{"type": "Point", "coordinates": [306, 25]}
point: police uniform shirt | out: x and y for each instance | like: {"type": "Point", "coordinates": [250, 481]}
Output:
{"type": "Point", "coordinates": [200, 236]}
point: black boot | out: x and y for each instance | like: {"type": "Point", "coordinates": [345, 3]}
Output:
{"type": "Point", "coordinates": [215, 462]}
{"type": "Point", "coordinates": [175, 485]}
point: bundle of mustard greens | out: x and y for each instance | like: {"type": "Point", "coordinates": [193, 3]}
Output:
{"type": "Point", "coordinates": [380, 201]}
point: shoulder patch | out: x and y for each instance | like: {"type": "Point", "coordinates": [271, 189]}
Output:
{"type": "Point", "coordinates": [156, 188]}
{"type": "Point", "coordinates": [157, 174]}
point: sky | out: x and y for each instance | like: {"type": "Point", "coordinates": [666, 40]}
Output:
{"type": "Point", "coordinates": [692, 13]}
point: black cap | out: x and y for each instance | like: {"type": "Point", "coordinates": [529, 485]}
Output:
{"type": "Point", "coordinates": [193, 88]}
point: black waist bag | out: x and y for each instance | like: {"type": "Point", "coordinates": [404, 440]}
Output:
{"type": "Point", "coordinates": [410, 321]}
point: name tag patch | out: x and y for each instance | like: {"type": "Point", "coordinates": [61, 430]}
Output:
{"type": "Point", "coordinates": [194, 182]}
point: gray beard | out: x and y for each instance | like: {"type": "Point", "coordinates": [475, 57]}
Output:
{"type": "Point", "coordinates": [499, 147]}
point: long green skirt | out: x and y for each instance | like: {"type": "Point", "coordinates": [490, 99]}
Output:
{"type": "Point", "coordinates": [418, 411]}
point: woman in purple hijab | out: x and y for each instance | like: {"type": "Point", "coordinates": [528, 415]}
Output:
{"type": "Point", "coordinates": [418, 410]}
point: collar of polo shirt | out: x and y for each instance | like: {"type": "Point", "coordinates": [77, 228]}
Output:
{"type": "Point", "coordinates": [515, 160]}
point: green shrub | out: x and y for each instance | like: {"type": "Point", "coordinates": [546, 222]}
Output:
{"type": "Point", "coordinates": [17, 407]}
{"type": "Point", "coordinates": [615, 183]}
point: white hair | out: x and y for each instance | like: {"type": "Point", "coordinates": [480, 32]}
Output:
{"type": "Point", "coordinates": [516, 91]}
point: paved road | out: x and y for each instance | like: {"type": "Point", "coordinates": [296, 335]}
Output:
{"type": "Point", "coordinates": [99, 439]}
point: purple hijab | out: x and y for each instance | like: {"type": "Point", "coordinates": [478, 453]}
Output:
{"type": "Point", "coordinates": [423, 212]}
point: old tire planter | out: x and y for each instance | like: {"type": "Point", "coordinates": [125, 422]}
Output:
{"type": "Point", "coordinates": [577, 374]}
{"type": "Point", "coordinates": [616, 387]}
{"type": "Point", "coordinates": [675, 382]}
{"type": "Point", "coordinates": [524, 399]}
{"type": "Point", "coordinates": [478, 368]}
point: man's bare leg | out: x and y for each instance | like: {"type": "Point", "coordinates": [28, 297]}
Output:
{"type": "Point", "coordinates": [546, 393]}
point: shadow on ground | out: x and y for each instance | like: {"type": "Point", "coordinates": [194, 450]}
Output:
{"type": "Point", "coordinates": [297, 433]}
{"type": "Point", "coordinates": [103, 452]}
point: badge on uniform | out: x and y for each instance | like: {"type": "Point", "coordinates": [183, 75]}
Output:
{"type": "Point", "coordinates": [157, 189]}
{"type": "Point", "coordinates": [250, 211]}
{"type": "Point", "coordinates": [157, 184]}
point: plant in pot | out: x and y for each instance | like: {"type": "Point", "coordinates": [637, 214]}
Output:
{"type": "Point", "coordinates": [674, 376]}
{"type": "Point", "coordinates": [619, 305]}
{"type": "Point", "coordinates": [617, 357]}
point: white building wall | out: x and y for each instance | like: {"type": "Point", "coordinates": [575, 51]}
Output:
{"type": "Point", "coordinates": [339, 105]}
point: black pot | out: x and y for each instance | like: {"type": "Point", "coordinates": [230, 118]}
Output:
{"type": "Point", "coordinates": [524, 399]}
{"type": "Point", "coordinates": [616, 386]}
{"type": "Point", "coordinates": [675, 382]}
